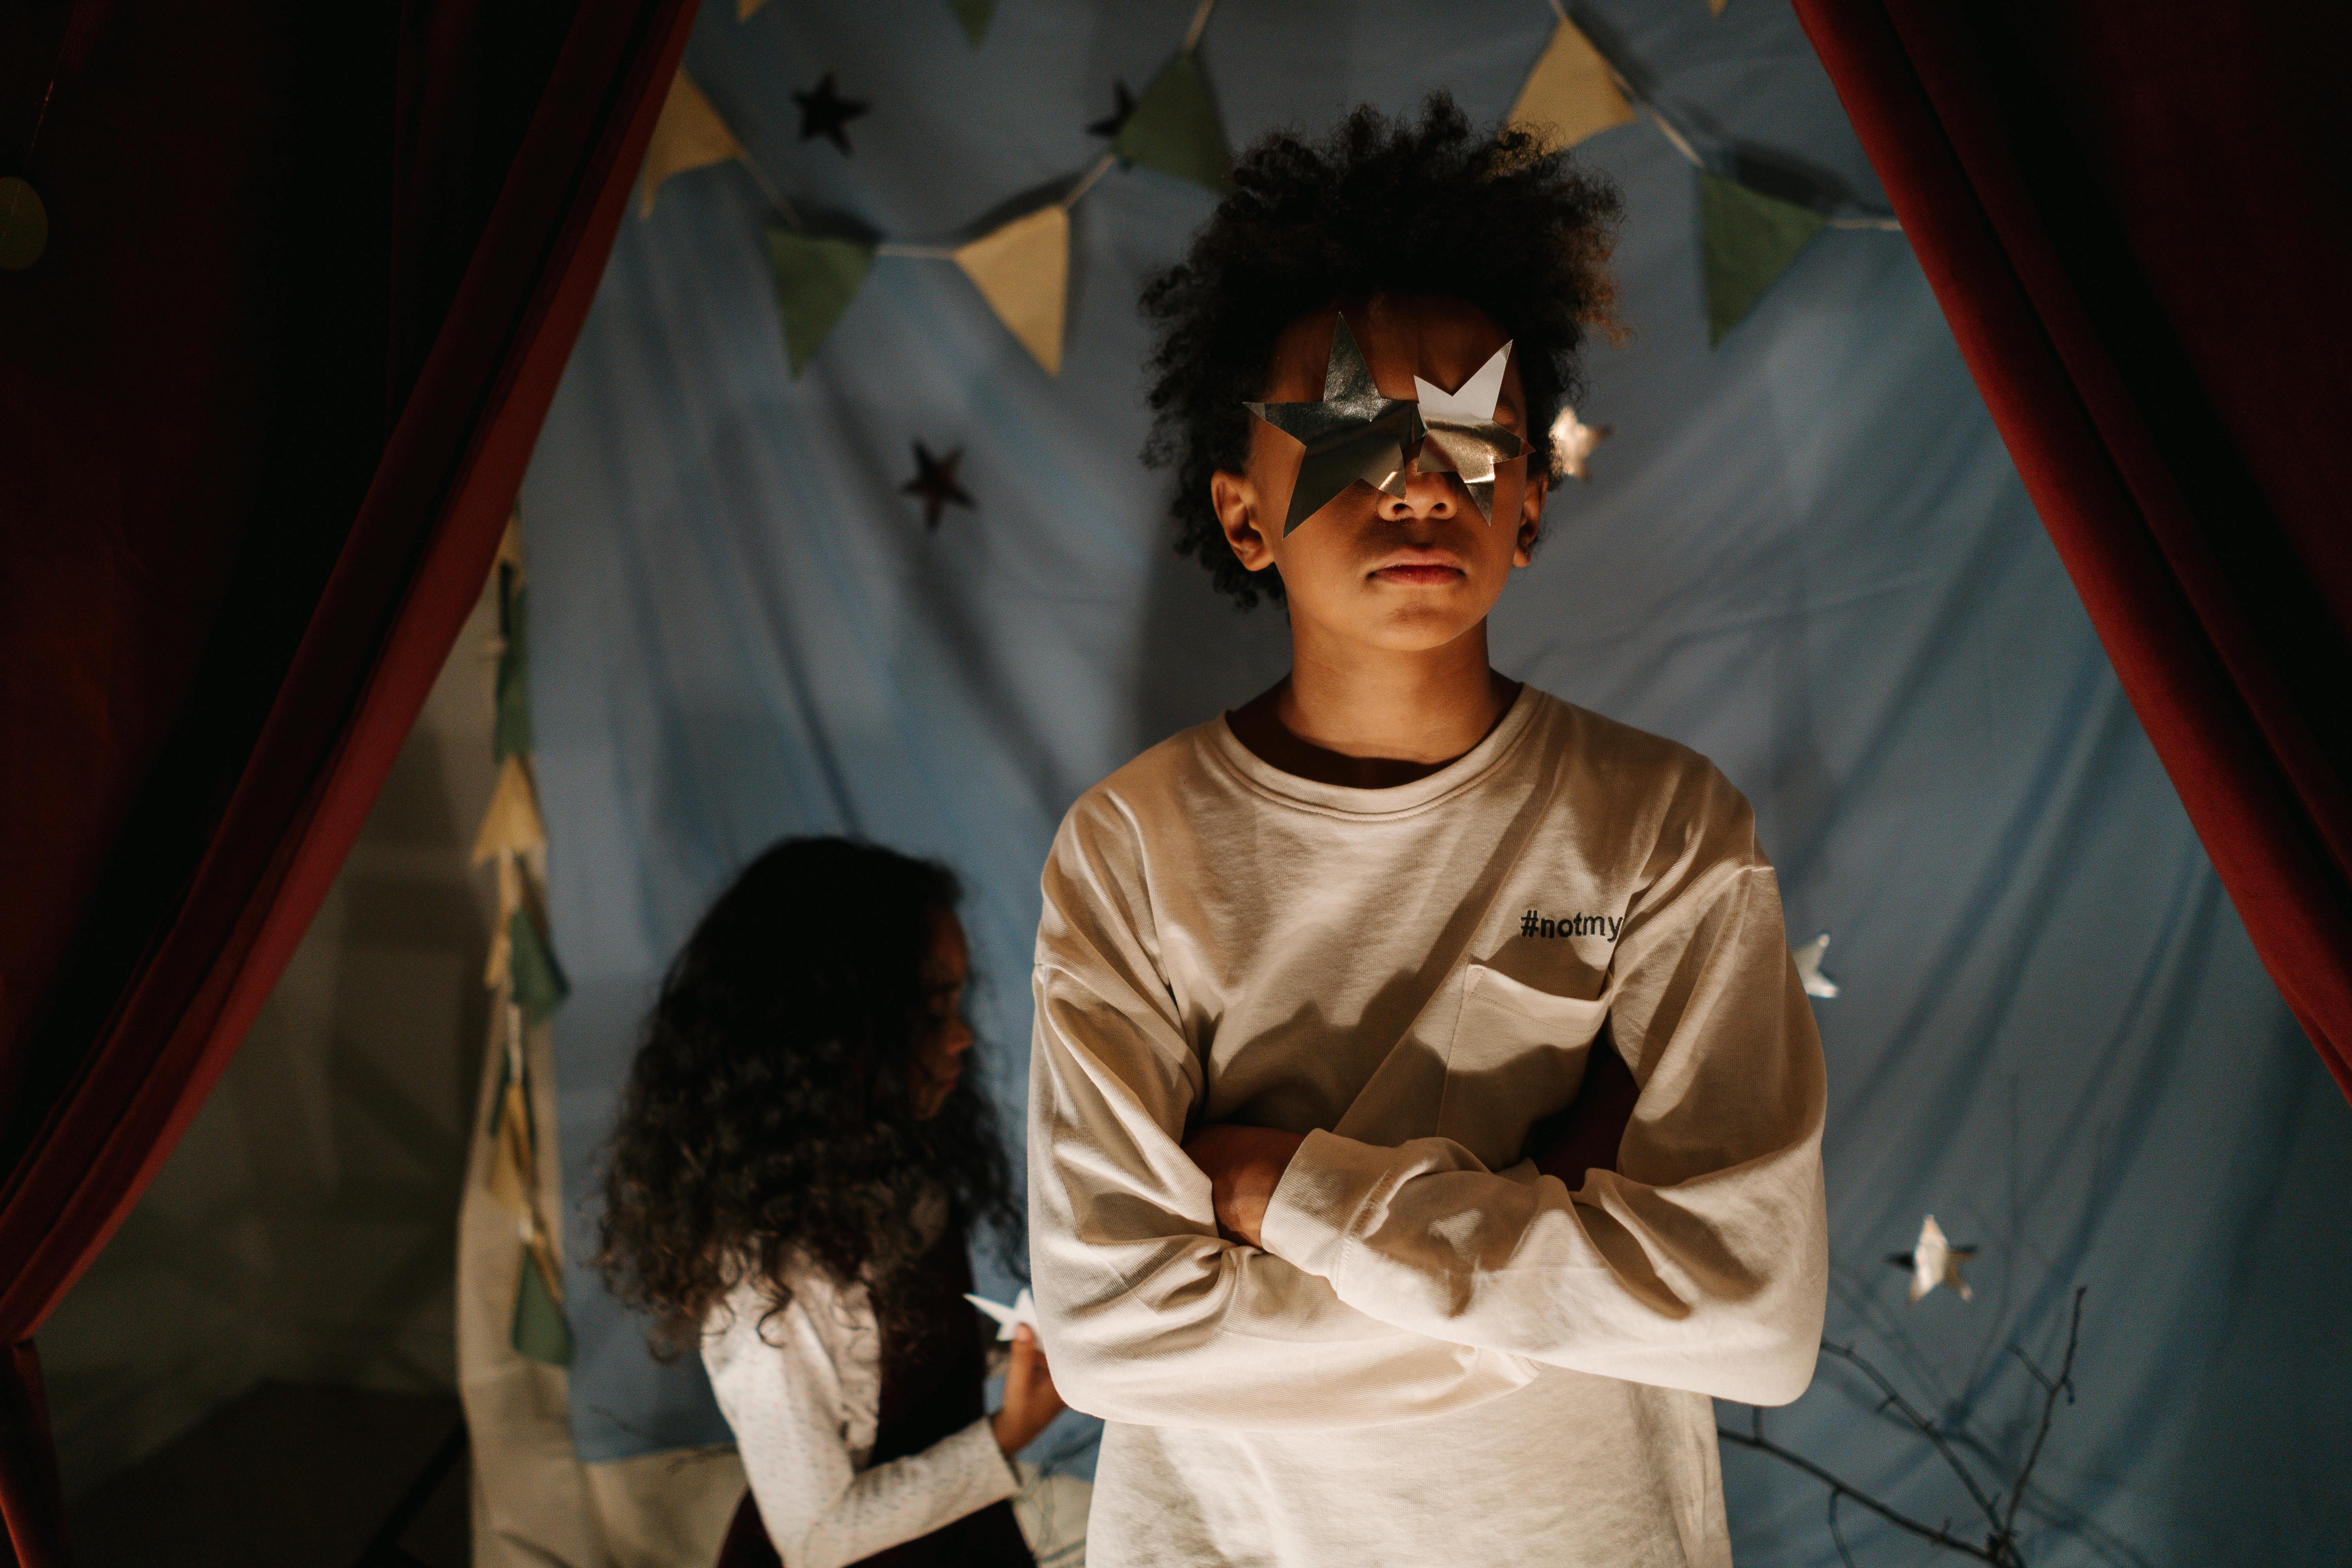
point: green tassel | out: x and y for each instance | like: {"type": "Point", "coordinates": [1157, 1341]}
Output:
{"type": "Point", "coordinates": [1174, 129]}
{"type": "Point", "coordinates": [1750, 240]}
{"type": "Point", "coordinates": [536, 979]}
{"type": "Point", "coordinates": [974, 15]}
{"type": "Point", "coordinates": [815, 281]}
{"type": "Point", "coordinates": [540, 1330]}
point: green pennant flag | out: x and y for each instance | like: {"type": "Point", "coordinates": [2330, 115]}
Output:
{"type": "Point", "coordinates": [510, 732]}
{"type": "Point", "coordinates": [540, 1330]}
{"type": "Point", "coordinates": [974, 15]}
{"type": "Point", "coordinates": [538, 980]}
{"type": "Point", "coordinates": [1174, 129]}
{"type": "Point", "coordinates": [1749, 238]}
{"type": "Point", "coordinates": [815, 281]}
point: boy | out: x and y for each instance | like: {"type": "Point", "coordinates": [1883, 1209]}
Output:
{"type": "Point", "coordinates": [1312, 977]}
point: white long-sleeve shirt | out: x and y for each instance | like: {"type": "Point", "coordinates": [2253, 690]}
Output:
{"type": "Point", "coordinates": [803, 1396]}
{"type": "Point", "coordinates": [1439, 1355]}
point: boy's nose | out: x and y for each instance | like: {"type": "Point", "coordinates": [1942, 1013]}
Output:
{"type": "Point", "coordinates": [1425, 495]}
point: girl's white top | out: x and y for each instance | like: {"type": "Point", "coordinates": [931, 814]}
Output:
{"type": "Point", "coordinates": [1439, 1356]}
{"type": "Point", "coordinates": [802, 1392]}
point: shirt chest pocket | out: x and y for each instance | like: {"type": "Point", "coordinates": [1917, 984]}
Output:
{"type": "Point", "coordinates": [1517, 1056]}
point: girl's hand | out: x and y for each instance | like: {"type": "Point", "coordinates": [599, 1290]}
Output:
{"type": "Point", "coordinates": [1030, 1402]}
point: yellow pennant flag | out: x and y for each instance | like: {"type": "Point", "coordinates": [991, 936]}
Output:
{"type": "Point", "coordinates": [512, 1176]}
{"type": "Point", "coordinates": [511, 825]}
{"type": "Point", "coordinates": [689, 136]}
{"type": "Point", "coordinates": [1570, 94]}
{"type": "Point", "coordinates": [511, 893]}
{"type": "Point", "coordinates": [1023, 271]}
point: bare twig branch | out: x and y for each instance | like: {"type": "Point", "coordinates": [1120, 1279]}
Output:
{"type": "Point", "coordinates": [1943, 1538]}
{"type": "Point", "coordinates": [1844, 1555]}
{"type": "Point", "coordinates": [2000, 1547]}
{"type": "Point", "coordinates": [1925, 1428]}
{"type": "Point", "coordinates": [2052, 1388]}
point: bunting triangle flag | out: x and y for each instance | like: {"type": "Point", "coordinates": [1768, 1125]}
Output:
{"type": "Point", "coordinates": [540, 1330]}
{"type": "Point", "coordinates": [815, 281]}
{"type": "Point", "coordinates": [1749, 238]}
{"type": "Point", "coordinates": [512, 825]}
{"type": "Point", "coordinates": [1174, 128]}
{"type": "Point", "coordinates": [689, 136]}
{"type": "Point", "coordinates": [539, 986]}
{"type": "Point", "coordinates": [974, 15]}
{"type": "Point", "coordinates": [1571, 94]}
{"type": "Point", "coordinates": [511, 1158]}
{"type": "Point", "coordinates": [1023, 271]}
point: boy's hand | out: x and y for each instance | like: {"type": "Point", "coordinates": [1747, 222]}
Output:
{"type": "Point", "coordinates": [1244, 1165]}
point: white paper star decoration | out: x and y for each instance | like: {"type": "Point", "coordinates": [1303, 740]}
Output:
{"type": "Point", "coordinates": [1935, 1261]}
{"type": "Point", "coordinates": [1809, 967]}
{"type": "Point", "coordinates": [1572, 441]}
{"type": "Point", "coordinates": [1022, 1310]}
{"type": "Point", "coordinates": [1463, 436]}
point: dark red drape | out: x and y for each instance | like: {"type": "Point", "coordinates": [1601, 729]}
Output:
{"type": "Point", "coordinates": [2139, 221]}
{"type": "Point", "coordinates": [266, 400]}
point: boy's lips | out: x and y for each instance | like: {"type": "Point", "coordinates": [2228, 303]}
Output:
{"type": "Point", "coordinates": [1420, 566]}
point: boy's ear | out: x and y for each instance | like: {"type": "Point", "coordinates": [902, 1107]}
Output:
{"type": "Point", "coordinates": [1236, 500]}
{"type": "Point", "coordinates": [1531, 505]}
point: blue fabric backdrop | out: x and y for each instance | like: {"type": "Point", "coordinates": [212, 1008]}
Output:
{"type": "Point", "coordinates": [1804, 553]}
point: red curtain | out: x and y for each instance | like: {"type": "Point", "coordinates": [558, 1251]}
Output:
{"type": "Point", "coordinates": [313, 274]}
{"type": "Point", "coordinates": [2139, 221]}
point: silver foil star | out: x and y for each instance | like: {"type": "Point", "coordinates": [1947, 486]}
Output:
{"type": "Point", "coordinates": [1572, 441]}
{"type": "Point", "coordinates": [1935, 1261]}
{"type": "Point", "coordinates": [1352, 434]}
{"type": "Point", "coordinates": [1463, 436]}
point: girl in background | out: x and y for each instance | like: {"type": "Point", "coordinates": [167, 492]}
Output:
{"type": "Point", "coordinates": [796, 1162]}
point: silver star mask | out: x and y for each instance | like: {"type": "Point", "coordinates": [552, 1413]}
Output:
{"type": "Point", "coordinates": [1463, 436]}
{"type": "Point", "coordinates": [1352, 434]}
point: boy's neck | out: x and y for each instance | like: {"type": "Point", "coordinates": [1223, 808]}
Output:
{"type": "Point", "coordinates": [1375, 718]}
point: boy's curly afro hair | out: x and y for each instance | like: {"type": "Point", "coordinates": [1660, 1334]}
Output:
{"type": "Point", "coordinates": [1380, 207]}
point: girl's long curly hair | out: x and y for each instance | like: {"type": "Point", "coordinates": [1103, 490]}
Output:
{"type": "Point", "coordinates": [771, 1110]}
{"type": "Point", "coordinates": [1379, 206]}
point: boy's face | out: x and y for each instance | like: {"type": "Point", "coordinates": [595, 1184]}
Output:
{"type": "Point", "coordinates": [1404, 573]}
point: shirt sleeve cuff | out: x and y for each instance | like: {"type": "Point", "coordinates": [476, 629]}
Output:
{"type": "Point", "coordinates": [1321, 1196]}
{"type": "Point", "coordinates": [987, 1469]}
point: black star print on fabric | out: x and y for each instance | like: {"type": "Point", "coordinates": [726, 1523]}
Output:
{"type": "Point", "coordinates": [935, 481]}
{"type": "Point", "coordinates": [824, 112]}
{"type": "Point", "coordinates": [1125, 106]}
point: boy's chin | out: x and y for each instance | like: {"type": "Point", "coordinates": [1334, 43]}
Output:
{"type": "Point", "coordinates": [1419, 629]}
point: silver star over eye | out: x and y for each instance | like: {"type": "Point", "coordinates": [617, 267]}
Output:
{"type": "Point", "coordinates": [1352, 434]}
{"type": "Point", "coordinates": [1463, 436]}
